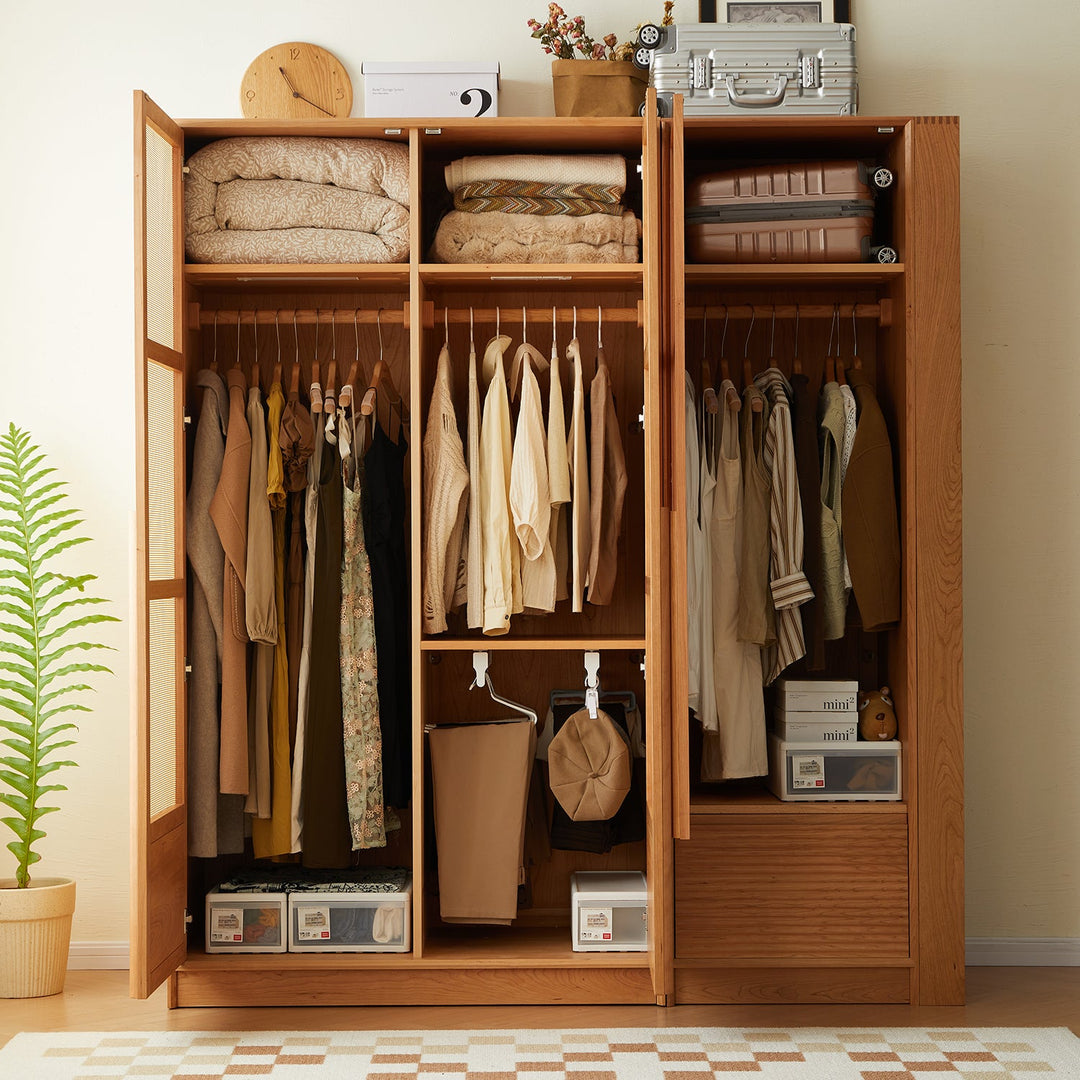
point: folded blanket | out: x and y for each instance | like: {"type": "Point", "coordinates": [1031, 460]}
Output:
{"type": "Point", "coordinates": [606, 169]}
{"type": "Point", "coordinates": [525, 238]}
{"type": "Point", "coordinates": [357, 178]}
{"type": "Point", "coordinates": [292, 246]}
{"type": "Point", "coordinates": [530, 197]}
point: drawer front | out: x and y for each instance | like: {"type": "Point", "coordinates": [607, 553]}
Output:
{"type": "Point", "coordinates": [821, 887]}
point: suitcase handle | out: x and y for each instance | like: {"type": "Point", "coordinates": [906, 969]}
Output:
{"type": "Point", "coordinates": [756, 101]}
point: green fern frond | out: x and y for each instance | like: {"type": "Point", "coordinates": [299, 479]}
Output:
{"type": "Point", "coordinates": [41, 632]}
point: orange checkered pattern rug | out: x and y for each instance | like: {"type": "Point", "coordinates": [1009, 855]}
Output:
{"type": "Point", "coordinates": [618, 1054]}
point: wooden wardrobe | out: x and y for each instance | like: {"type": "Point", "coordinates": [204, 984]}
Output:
{"type": "Point", "coordinates": [749, 898]}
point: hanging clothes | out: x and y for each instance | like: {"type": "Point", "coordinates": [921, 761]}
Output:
{"type": "Point", "coordinates": [757, 619]}
{"type": "Point", "coordinates": [311, 513]}
{"type": "Point", "coordinates": [215, 821]}
{"type": "Point", "coordinates": [474, 535]}
{"type": "Point", "coordinates": [362, 735]}
{"type": "Point", "coordinates": [694, 598]}
{"type": "Point", "coordinates": [808, 468]}
{"type": "Point", "coordinates": [581, 504]}
{"type": "Point", "coordinates": [446, 500]}
{"type": "Point", "coordinates": [327, 843]}
{"type": "Point", "coordinates": [870, 514]}
{"type": "Point", "coordinates": [502, 559]}
{"type": "Point", "coordinates": [384, 535]}
{"type": "Point", "coordinates": [530, 496]}
{"type": "Point", "coordinates": [851, 420]}
{"type": "Point", "coordinates": [558, 475]}
{"type": "Point", "coordinates": [707, 711]}
{"type": "Point", "coordinates": [787, 582]}
{"type": "Point", "coordinates": [831, 432]}
{"type": "Point", "coordinates": [607, 484]}
{"type": "Point", "coordinates": [229, 511]}
{"type": "Point", "coordinates": [261, 611]}
{"type": "Point", "coordinates": [273, 837]}
{"type": "Point", "coordinates": [736, 745]}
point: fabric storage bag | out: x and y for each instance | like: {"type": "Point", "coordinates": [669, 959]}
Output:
{"type": "Point", "coordinates": [480, 777]}
{"type": "Point", "coordinates": [597, 87]}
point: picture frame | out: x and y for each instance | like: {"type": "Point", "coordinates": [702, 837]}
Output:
{"type": "Point", "coordinates": [781, 11]}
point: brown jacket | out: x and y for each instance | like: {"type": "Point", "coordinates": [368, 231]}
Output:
{"type": "Point", "coordinates": [871, 528]}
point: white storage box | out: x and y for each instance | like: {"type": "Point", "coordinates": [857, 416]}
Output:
{"type": "Point", "coordinates": [431, 88]}
{"type": "Point", "coordinates": [817, 727]}
{"type": "Point", "coordinates": [245, 922]}
{"type": "Point", "coordinates": [351, 921]}
{"type": "Point", "coordinates": [817, 695]}
{"type": "Point", "coordinates": [610, 911]}
{"type": "Point", "coordinates": [834, 772]}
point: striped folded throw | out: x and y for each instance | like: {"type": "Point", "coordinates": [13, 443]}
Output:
{"type": "Point", "coordinates": [536, 197]}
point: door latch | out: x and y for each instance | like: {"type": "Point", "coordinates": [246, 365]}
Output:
{"type": "Point", "coordinates": [810, 72]}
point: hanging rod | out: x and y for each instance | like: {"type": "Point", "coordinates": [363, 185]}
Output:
{"type": "Point", "coordinates": [882, 312]}
{"type": "Point", "coordinates": [227, 317]}
{"type": "Point", "coordinates": [511, 314]}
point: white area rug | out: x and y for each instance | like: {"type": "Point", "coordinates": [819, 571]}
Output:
{"type": "Point", "coordinates": [618, 1054]}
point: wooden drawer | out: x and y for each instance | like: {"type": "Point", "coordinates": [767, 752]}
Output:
{"type": "Point", "coordinates": [814, 887]}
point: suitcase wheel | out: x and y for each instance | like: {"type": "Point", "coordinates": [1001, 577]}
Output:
{"type": "Point", "coordinates": [650, 36]}
{"type": "Point", "coordinates": [882, 177]}
{"type": "Point", "coordinates": [883, 254]}
{"type": "Point", "coordinates": [642, 57]}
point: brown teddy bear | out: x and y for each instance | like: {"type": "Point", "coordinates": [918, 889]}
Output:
{"type": "Point", "coordinates": [877, 718]}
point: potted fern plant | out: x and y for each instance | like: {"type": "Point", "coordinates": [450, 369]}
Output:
{"type": "Point", "coordinates": [44, 616]}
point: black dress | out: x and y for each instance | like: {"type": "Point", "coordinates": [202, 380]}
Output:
{"type": "Point", "coordinates": [327, 841]}
{"type": "Point", "coordinates": [384, 534]}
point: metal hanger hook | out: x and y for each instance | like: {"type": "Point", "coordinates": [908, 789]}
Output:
{"type": "Point", "coordinates": [796, 330]}
{"type": "Point", "coordinates": [497, 319]}
{"type": "Point", "coordinates": [277, 333]}
{"type": "Point", "coordinates": [772, 334]}
{"type": "Point", "coordinates": [356, 331]}
{"type": "Point", "coordinates": [723, 336]}
{"type": "Point", "coordinates": [472, 342]}
{"type": "Point", "coordinates": [704, 329]}
{"type": "Point", "coordinates": [599, 327]}
{"type": "Point", "coordinates": [215, 338]}
{"type": "Point", "coordinates": [854, 334]}
{"type": "Point", "coordinates": [446, 325]}
{"type": "Point", "coordinates": [746, 344]}
{"type": "Point", "coordinates": [575, 320]}
{"type": "Point", "coordinates": [378, 323]}
{"type": "Point", "coordinates": [317, 315]}
{"type": "Point", "coordinates": [554, 321]}
{"type": "Point", "coordinates": [296, 337]}
{"type": "Point", "coordinates": [524, 326]}
{"type": "Point", "coordinates": [237, 364]}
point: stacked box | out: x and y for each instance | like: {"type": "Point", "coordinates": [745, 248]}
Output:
{"type": "Point", "coordinates": [610, 911]}
{"type": "Point", "coordinates": [817, 710]}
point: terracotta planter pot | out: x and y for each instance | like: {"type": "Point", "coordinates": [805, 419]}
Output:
{"type": "Point", "coordinates": [35, 932]}
{"type": "Point", "coordinates": [597, 87]}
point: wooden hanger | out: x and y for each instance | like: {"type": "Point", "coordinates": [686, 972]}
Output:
{"type": "Point", "coordinates": [294, 381]}
{"type": "Point", "coordinates": [345, 398]}
{"type": "Point", "coordinates": [316, 382]}
{"type": "Point", "coordinates": [213, 361]}
{"type": "Point", "coordinates": [380, 378]}
{"type": "Point", "coordinates": [330, 392]}
{"type": "Point", "coordinates": [731, 397]}
{"type": "Point", "coordinates": [276, 379]}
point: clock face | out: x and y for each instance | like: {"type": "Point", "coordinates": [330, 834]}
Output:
{"type": "Point", "coordinates": [296, 81]}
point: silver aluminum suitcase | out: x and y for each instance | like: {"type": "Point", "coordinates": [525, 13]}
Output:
{"type": "Point", "coordinates": [752, 69]}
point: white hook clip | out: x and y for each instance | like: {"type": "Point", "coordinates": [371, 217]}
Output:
{"type": "Point", "coordinates": [599, 327]}
{"type": "Point", "coordinates": [592, 683]}
{"type": "Point", "coordinates": [480, 666]}
{"type": "Point", "coordinates": [554, 320]}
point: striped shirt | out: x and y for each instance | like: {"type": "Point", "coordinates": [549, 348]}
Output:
{"type": "Point", "coordinates": [789, 585]}
{"type": "Point", "coordinates": [850, 423]}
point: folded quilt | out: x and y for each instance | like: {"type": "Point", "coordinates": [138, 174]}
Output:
{"type": "Point", "coordinates": [524, 238]}
{"type": "Point", "coordinates": [292, 246]}
{"type": "Point", "coordinates": [314, 183]}
{"type": "Point", "coordinates": [530, 197]}
{"type": "Point", "coordinates": [608, 170]}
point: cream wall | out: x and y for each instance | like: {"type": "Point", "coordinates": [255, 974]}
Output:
{"type": "Point", "coordinates": [66, 347]}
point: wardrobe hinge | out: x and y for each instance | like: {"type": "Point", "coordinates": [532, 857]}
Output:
{"type": "Point", "coordinates": [187, 419]}
{"type": "Point", "coordinates": [187, 919]}
{"type": "Point", "coordinates": [642, 665]}
{"type": "Point", "coordinates": [641, 419]}
{"type": "Point", "coordinates": [187, 669]}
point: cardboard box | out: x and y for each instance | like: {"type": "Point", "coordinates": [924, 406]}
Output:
{"type": "Point", "coordinates": [610, 911]}
{"type": "Point", "coordinates": [816, 726]}
{"type": "Point", "coordinates": [431, 88]}
{"type": "Point", "coordinates": [817, 695]}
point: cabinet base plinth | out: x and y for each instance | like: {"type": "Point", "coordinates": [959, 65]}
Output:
{"type": "Point", "coordinates": [789, 986]}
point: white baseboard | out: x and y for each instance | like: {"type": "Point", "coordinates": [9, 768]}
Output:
{"type": "Point", "coordinates": [98, 956]}
{"type": "Point", "coordinates": [1022, 952]}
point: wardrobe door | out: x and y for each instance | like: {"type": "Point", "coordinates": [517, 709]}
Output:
{"type": "Point", "coordinates": [159, 813]}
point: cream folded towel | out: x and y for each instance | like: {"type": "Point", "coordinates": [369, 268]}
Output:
{"type": "Point", "coordinates": [497, 237]}
{"type": "Point", "coordinates": [607, 169]}
{"type": "Point", "coordinates": [295, 246]}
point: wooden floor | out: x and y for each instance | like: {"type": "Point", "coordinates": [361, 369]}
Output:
{"type": "Point", "coordinates": [997, 997]}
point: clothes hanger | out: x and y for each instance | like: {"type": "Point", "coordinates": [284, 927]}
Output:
{"type": "Point", "coordinates": [757, 404]}
{"type": "Point", "coordinates": [525, 352]}
{"type": "Point", "coordinates": [830, 362]}
{"type": "Point", "coordinates": [381, 377]}
{"type": "Point", "coordinates": [294, 375]}
{"type": "Point", "coordinates": [236, 362]}
{"type": "Point", "coordinates": [840, 376]}
{"type": "Point", "coordinates": [772, 339]}
{"type": "Point", "coordinates": [856, 363]}
{"type": "Point", "coordinates": [331, 377]}
{"type": "Point", "coordinates": [731, 396]}
{"type": "Point", "coordinates": [599, 338]}
{"type": "Point", "coordinates": [255, 366]}
{"type": "Point", "coordinates": [345, 398]}
{"type": "Point", "coordinates": [708, 392]}
{"type": "Point", "coordinates": [276, 380]}
{"type": "Point", "coordinates": [316, 387]}
{"type": "Point", "coordinates": [482, 680]}
{"type": "Point", "coordinates": [213, 361]}
{"type": "Point", "coordinates": [796, 363]}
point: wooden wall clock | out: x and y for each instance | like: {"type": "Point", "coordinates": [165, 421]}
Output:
{"type": "Point", "coordinates": [296, 81]}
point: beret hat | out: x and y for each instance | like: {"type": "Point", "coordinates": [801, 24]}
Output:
{"type": "Point", "coordinates": [590, 766]}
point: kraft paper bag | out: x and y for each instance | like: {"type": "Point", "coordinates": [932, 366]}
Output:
{"type": "Point", "coordinates": [597, 87]}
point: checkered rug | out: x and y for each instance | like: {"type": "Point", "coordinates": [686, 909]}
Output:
{"type": "Point", "coordinates": [618, 1054]}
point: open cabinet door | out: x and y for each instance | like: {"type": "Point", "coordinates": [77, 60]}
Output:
{"type": "Point", "coordinates": [159, 813]}
{"type": "Point", "coordinates": [657, 521]}
{"type": "Point", "coordinates": [675, 391]}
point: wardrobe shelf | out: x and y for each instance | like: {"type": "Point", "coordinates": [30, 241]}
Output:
{"type": "Point", "coordinates": [523, 644]}
{"type": "Point", "coordinates": [394, 275]}
{"type": "Point", "coordinates": [754, 800]}
{"type": "Point", "coordinates": [513, 946]}
{"type": "Point", "coordinates": [794, 274]}
{"type": "Point", "coordinates": [533, 275]}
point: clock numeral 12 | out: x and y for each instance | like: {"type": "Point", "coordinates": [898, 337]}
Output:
{"type": "Point", "coordinates": [294, 54]}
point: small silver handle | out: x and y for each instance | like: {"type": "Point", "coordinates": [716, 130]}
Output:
{"type": "Point", "coordinates": [756, 101]}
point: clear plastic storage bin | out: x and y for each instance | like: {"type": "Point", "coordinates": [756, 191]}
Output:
{"type": "Point", "coordinates": [241, 922]}
{"type": "Point", "coordinates": [351, 921]}
{"type": "Point", "coordinates": [610, 911]}
{"type": "Point", "coordinates": [835, 772]}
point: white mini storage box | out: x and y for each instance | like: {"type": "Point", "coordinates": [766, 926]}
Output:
{"type": "Point", "coordinates": [337, 921]}
{"type": "Point", "coordinates": [245, 922]}
{"type": "Point", "coordinates": [817, 727]}
{"type": "Point", "coordinates": [834, 772]}
{"type": "Point", "coordinates": [817, 695]}
{"type": "Point", "coordinates": [431, 88]}
{"type": "Point", "coordinates": [610, 911]}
